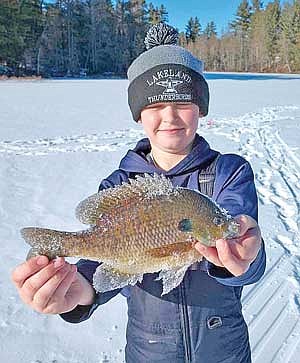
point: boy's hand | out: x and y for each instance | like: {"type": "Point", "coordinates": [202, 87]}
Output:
{"type": "Point", "coordinates": [235, 254]}
{"type": "Point", "coordinates": [51, 287]}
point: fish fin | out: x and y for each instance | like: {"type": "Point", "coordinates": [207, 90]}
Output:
{"type": "Point", "coordinates": [45, 241]}
{"type": "Point", "coordinates": [107, 278]}
{"type": "Point", "coordinates": [172, 249]}
{"type": "Point", "coordinates": [32, 253]}
{"type": "Point", "coordinates": [171, 278]}
{"type": "Point", "coordinates": [130, 193]}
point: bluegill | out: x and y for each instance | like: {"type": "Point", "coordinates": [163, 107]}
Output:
{"type": "Point", "coordinates": [143, 226]}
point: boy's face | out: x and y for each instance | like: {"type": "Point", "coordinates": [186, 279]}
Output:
{"type": "Point", "coordinates": [170, 127]}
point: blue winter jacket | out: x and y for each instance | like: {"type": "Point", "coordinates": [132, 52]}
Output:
{"type": "Point", "coordinates": [201, 320]}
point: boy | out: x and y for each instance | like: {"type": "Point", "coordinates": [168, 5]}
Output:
{"type": "Point", "coordinates": [201, 319]}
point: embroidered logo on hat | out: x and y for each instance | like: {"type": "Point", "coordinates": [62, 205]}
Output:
{"type": "Point", "coordinates": [169, 78]}
{"type": "Point", "coordinates": [169, 84]}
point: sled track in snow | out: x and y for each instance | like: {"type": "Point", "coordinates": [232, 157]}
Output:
{"type": "Point", "coordinates": [258, 137]}
{"type": "Point", "coordinates": [108, 141]}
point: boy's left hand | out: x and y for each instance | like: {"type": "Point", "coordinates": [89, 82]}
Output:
{"type": "Point", "coordinates": [235, 254]}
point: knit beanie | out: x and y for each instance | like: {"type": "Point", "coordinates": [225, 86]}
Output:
{"type": "Point", "coordinates": [165, 72]}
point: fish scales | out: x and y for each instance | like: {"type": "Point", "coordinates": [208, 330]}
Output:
{"type": "Point", "coordinates": [154, 224]}
{"type": "Point", "coordinates": [137, 230]}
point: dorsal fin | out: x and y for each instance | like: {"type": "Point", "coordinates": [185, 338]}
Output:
{"type": "Point", "coordinates": [141, 188]}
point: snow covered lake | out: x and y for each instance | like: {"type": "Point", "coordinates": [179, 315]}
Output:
{"type": "Point", "coordinates": [59, 138]}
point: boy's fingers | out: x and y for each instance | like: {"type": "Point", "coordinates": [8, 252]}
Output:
{"type": "Point", "coordinates": [248, 247]}
{"type": "Point", "coordinates": [27, 269]}
{"type": "Point", "coordinates": [46, 292]}
{"type": "Point", "coordinates": [60, 293]}
{"type": "Point", "coordinates": [36, 281]}
{"type": "Point", "coordinates": [67, 282]}
{"type": "Point", "coordinates": [210, 253]}
{"type": "Point", "coordinates": [246, 222]}
{"type": "Point", "coordinates": [233, 264]}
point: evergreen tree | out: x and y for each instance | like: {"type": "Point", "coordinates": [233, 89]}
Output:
{"type": "Point", "coordinates": [210, 30]}
{"type": "Point", "coordinates": [193, 29]}
{"type": "Point", "coordinates": [241, 27]}
{"type": "Point", "coordinates": [137, 27]}
{"type": "Point", "coordinates": [31, 27]}
{"type": "Point", "coordinates": [296, 36]}
{"type": "Point", "coordinates": [163, 13]}
{"type": "Point", "coordinates": [138, 10]}
{"type": "Point", "coordinates": [11, 41]}
{"type": "Point", "coordinates": [286, 36]}
{"type": "Point", "coordinates": [20, 28]}
{"type": "Point", "coordinates": [53, 42]}
{"type": "Point", "coordinates": [122, 49]}
{"type": "Point", "coordinates": [272, 16]}
{"type": "Point", "coordinates": [296, 19]}
{"type": "Point", "coordinates": [102, 36]}
{"type": "Point", "coordinates": [258, 58]}
{"type": "Point", "coordinates": [243, 17]}
{"type": "Point", "coordinates": [157, 14]}
{"type": "Point", "coordinates": [257, 5]}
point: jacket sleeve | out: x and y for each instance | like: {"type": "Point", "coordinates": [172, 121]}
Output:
{"type": "Point", "coordinates": [87, 268]}
{"type": "Point", "coordinates": [235, 191]}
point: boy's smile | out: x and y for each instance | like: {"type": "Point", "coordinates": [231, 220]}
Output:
{"type": "Point", "coordinates": [170, 127]}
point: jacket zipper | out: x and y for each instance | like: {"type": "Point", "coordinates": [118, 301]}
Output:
{"type": "Point", "coordinates": [186, 325]}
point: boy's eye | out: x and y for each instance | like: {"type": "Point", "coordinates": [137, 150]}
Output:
{"type": "Point", "coordinates": [151, 107]}
{"type": "Point", "coordinates": [183, 105]}
{"type": "Point", "coordinates": [155, 106]}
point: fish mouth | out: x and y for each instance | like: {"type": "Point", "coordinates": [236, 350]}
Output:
{"type": "Point", "coordinates": [232, 231]}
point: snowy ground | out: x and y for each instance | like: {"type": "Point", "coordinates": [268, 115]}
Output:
{"type": "Point", "coordinates": [59, 138]}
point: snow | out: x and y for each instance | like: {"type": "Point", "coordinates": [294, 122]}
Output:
{"type": "Point", "coordinates": [59, 138]}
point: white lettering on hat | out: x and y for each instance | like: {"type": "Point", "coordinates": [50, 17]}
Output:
{"type": "Point", "coordinates": [170, 97]}
{"type": "Point", "coordinates": [169, 73]}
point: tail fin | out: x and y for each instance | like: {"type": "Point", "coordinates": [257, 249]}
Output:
{"type": "Point", "coordinates": [46, 242]}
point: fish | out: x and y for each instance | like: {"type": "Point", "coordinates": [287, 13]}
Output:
{"type": "Point", "coordinates": [144, 225]}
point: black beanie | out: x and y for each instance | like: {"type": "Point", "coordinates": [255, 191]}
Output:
{"type": "Point", "coordinates": [166, 72]}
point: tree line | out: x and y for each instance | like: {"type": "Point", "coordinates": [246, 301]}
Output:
{"type": "Point", "coordinates": [259, 39]}
{"type": "Point", "coordinates": [102, 37]}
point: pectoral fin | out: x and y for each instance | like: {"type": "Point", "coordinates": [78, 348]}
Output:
{"type": "Point", "coordinates": [107, 278]}
{"type": "Point", "coordinates": [170, 250]}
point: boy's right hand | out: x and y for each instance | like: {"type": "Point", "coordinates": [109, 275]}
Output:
{"type": "Point", "coordinates": [53, 287]}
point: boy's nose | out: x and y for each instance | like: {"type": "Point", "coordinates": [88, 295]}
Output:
{"type": "Point", "coordinates": [169, 113]}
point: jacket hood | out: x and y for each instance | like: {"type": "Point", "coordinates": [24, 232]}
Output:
{"type": "Point", "coordinates": [201, 154]}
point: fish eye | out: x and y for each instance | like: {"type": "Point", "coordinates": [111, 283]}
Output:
{"type": "Point", "coordinates": [185, 225]}
{"type": "Point", "coordinates": [218, 221]}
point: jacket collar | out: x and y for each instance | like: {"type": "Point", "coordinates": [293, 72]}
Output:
{"type": "Point", "coordinates": [135, 160]}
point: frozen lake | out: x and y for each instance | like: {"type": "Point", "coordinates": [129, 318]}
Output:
{"type": "Point", "coordinates": [59, 138]}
